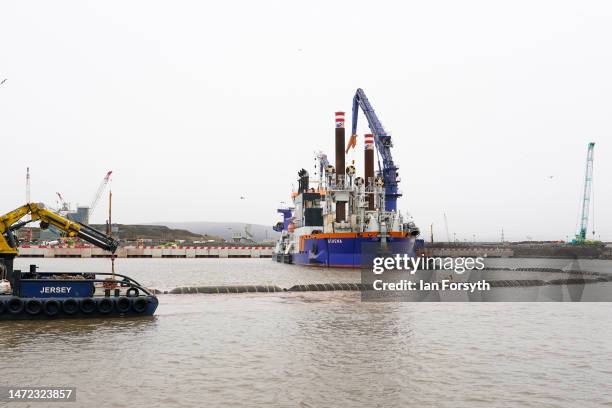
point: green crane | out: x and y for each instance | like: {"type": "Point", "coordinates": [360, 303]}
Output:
{"type": "Point", "coordinates": [586, 196]}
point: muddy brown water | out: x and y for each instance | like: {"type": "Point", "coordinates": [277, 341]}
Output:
{"type": "Point", "coordinates": [313, 349]}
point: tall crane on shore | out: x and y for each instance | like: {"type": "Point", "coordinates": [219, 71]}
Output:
{"type": "Point", "coordinates": [64, 206]}
{"type": "Point", "coordinates": [99, 192]}
{"type": "Point", "coordinates": [383, 147]}
{"type": "Point", "coordinates": [586, 196]}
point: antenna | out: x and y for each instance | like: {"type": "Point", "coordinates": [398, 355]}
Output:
{"type": "Point", "coordinates": [446, 226]}
{"type": "Point", "coordinates": [28, 199]}
{"type": "Point", "coordinates": [27, 185]}
{"type": "Point", "coordinates": [110, 228]}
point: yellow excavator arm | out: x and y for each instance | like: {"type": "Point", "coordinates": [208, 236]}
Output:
{"type": "Point", "coordinates": [10, 222]}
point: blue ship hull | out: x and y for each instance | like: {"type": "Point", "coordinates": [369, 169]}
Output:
{"type": "Point", "coordinates": [346, 252]}
{"type": "Point", "coordinates": [37, 308]}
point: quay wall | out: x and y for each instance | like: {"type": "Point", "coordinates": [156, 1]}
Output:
{"type": "Point", "coordinates": [86, 251]}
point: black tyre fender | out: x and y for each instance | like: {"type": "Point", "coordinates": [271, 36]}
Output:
{"type": "Point", "coordinates": [132, 292]}
{"type": "Point", "coordinates": [51, 307]}
{"type": "Point", "coordinates": [123, 304]}
{"type": "Point", "coordinates": [15, 305]}
{"type": "Point", "coordinates": [2, 307]}
{"type": "Point", "coordinates": [105, 305]}
{"type": "Point", "coordinates": [70, 306]}
{"type": "Point", "coordinates": [33, 306]}
{"type": "Point", "coordinates": [88, 305]}
{"type": "Point", "coordinates": [140, 304]}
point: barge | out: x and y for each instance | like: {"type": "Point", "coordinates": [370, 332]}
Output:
{"type": "Point", "coordinates": [49, 295]}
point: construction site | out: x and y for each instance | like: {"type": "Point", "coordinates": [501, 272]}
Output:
{"type": "Point", "coordinates": [159, 241]}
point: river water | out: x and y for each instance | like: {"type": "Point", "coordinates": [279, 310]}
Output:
{"type": "Point", "coordinates": [316, 349]}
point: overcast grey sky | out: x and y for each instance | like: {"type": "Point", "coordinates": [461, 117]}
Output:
{"type": "Point", "coordinates": [193, 104]}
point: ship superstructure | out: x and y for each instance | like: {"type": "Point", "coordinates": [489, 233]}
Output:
{"type": "Point", "coordinates": [334, 215]}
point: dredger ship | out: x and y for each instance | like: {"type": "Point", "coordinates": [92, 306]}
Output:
{"type": "Point", "coordinates": [337, 216]}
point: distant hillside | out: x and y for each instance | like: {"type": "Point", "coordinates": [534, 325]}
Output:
{"type": "Point", "coordinates": [224, 229]}
{"type": "Point", "coordinates": [158, 233]}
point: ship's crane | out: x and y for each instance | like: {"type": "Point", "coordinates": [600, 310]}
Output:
{"type": "Point", "coordinates": [99, 192]}
{"type": "Point", "coordinates": [383, 147]}
{"type": "Point", "coordinates": [586, 196]}
{"type": "Point", "coordinates": [10, 222]}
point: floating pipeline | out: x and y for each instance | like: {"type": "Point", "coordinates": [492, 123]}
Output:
{"type": "Point", "coordinates": [537, 282]}
{"type": "Point", "coordinates": [578, 281]}
{"type": "Point", "coordinates": [225, 289]}
{"type": "Point", "coordinates": [329, 287]}
{"type": "Point", "coordinates": [311, 287]}
{"type": "Point", "coordinates": [321, 287]}
{"type": "Point", "coordinates": [516, 283]}
{"type": "Point", "coordinates": [552, 270]}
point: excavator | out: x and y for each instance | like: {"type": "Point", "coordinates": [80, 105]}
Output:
{"type": "Point", "coordinates": [39, 294]}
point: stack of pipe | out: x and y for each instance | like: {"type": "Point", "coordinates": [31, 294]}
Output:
{"type": "Point", "coordinates": [340, 164]}
{"type": "Point", "coordinates": [369, 167]}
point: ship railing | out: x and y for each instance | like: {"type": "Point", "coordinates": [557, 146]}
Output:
{"type": "Point", "coordinates": [116, 281]}
{"type": "Point", "coordinates": [339, 187]}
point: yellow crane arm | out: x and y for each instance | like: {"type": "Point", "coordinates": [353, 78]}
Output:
{"type": "Point", "coordinates": [10, 222]}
